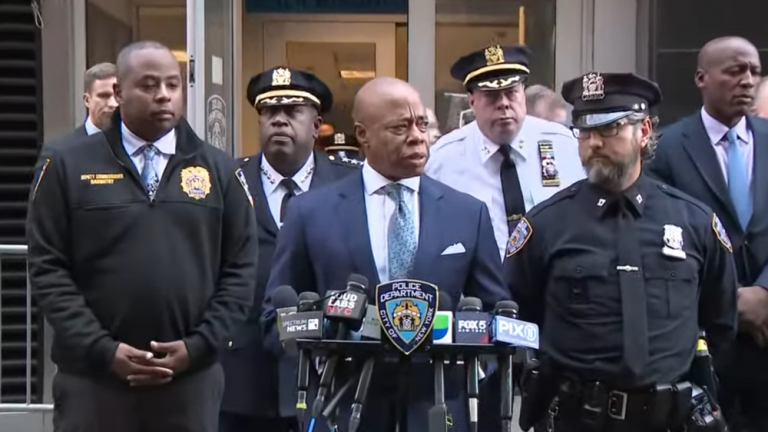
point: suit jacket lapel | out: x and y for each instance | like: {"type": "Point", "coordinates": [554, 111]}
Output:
{"type": "Point", "coordinates": [263, 214]}
{"type": "Point", "coordinates": [430, 232]}
{"type": "Point", "coordinates": [759, 176]}
{"type": "Point", "coordinates": [696, 142]}
{"type": "Point", "coordinates": [351, 214]}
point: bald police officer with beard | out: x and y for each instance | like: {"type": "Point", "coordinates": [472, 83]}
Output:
{"type": "Point", "coordinates": [621, 290]}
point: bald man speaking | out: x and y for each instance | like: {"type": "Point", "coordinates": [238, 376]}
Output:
{"type": "Point", "coordinates": [389, 222]}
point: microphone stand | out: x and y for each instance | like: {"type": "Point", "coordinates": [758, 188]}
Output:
{"type": "Point", "coordinates": [473, 391]}
{"type": "Point", "coordinates": [361, 394]}
{"type": "Point", "coordinates": [438, 414]}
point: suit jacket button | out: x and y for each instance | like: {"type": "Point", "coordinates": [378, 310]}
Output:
{"type": "Point", "coordinates": [229, 344]}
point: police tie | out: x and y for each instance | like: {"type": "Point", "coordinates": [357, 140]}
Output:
{"type": "Point", "coordinates": [632, 288]}
{"type": "Point", "coordinates": [149, 177]}
{"type": "Point", "coordinates": [292, 187]}
{"type": "Point", "coordinates": [514, 204]}
{"type": "Point", "coordinates": [738, 183]}
{"type": "Point", "coordinates": [401, 235]}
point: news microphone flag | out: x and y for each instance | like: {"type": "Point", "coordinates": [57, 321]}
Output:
{"type": "Point", "coordinates": [442, 332]}
{"type": "Point", "coordinates": [514, 332]}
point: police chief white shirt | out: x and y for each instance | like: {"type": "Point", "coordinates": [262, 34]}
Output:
{"type": "Point", "coordinates": [90, 128]}
{"type": "Point", "coordinates": [380, 208]}
{"type": "Point", "coordinates": [134, 145]}
{"type": "Point", "coordinates": [469, 162]}
{"type": "Point", "coordinates": [274, 191]}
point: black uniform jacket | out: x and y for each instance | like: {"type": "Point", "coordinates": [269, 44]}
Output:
{"type": "Point", "coordinates": [564, 276]}
{"type": "Point", "coordinates": [252, 374]}
{"type": "Point", "coordinates": [108, 265]}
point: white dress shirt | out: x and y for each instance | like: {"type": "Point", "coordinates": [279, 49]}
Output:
{"type": "Point", "coordinates": [469, 162]}
{"type": "Point", "coordinates": [91, 128]}
{"type": "Point", "coordinates": [380, 209]}
{"type": "Point", "coordinates": [274, 191]}
{"type": "Point", "coordinates": [716, 132]}
{"type": "Point", "coordinates": [134, 145]}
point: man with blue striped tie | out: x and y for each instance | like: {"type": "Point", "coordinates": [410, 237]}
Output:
{"type": "Point", "coordinates": [719, 155]}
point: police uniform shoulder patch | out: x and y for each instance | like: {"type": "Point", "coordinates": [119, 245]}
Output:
{"type": "Point", "coordinates": [520, 236]}
{"type": "Point", "coordinates": [39, 176]}
{"type": "Point", "coordinates": [196, 182]}
{"type": "Point", "coordinates": [241, 178]}
{"type": "Point", "coordinates": [720, 233]}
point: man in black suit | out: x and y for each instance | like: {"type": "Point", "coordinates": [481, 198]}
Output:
{"type": "Point", "coordinates": [719, 155]}
{"type": "Point", "coordinates": [260, 393]}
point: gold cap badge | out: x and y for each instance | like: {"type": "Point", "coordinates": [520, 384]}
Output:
{"type": "Point", "coordinates": [494, 55]}
{"type": "Point", "coordinates": [593, 87]}
{"type": "Point", "coordinates": [281, 77]}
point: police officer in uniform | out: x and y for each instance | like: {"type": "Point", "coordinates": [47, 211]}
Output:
{"type": "Point", "coordinates": [505, 158]}
{"type": "Point", "coordinates": [343, 147]}
{"type": "Point", "coordinates": [260, 393]}
{"type": "Point", "coordinates": [623, 286]}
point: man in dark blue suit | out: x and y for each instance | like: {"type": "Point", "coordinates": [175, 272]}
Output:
{"type": "Point", "coordinates": [719, 156]}
{"type": "Point", "coordinates": [260, 393]}
{"type": "Point", "coordinates": [387, 223]}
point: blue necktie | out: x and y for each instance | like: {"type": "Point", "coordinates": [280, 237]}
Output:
{"type": "Point", "coordinates": [401, 238]}
{"type": "Point", "coordinates": [738, 183]}
{"type": "Point", "coordinates": [149, 176]}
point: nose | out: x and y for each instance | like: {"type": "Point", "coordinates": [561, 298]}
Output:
{"type": "Point", "coordinates": [505, 102]}
{"type": "Point", "coordinates": [112, 103]}
{"type": "Point", "coordinates": [279, 119]}
{"type": "Point", "coordinates": [164, 93]}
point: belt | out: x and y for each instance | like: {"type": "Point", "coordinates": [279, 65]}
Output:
{"type": "Point", "coordinates": [580, 399]}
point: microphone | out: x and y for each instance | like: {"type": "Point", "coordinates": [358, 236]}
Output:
{"type": "Point", "coordinates": [473, 324]}
{"type": "Point", "coordinates": [294, 323]}
{"type": "Point", "coordinates": [438, 414]}
{"type": "Point", "coordinates": [347, 309]}
{"type": "Point", "coordinates": [361, 394]}
{"type": "Point", "coordinates": [508, 309]}
{"type": "Point", "coordinates": [308, 302]}
{"type": "Point", "coordinates": [371, 328]}
{"type": "Point", "coordinates": [442, 329]}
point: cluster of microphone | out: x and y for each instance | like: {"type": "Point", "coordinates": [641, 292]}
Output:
{"type": "Point", "coordinates": [348, 315]}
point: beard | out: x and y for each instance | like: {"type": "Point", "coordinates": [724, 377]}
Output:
{"type": "Point", "coordinates": [610, 173]}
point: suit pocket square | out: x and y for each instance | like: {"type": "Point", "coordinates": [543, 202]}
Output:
{"type": "Point", "coordinates": [454, 249]}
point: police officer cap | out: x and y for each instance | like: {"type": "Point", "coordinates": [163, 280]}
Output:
{"type": "Point", "coordinates": [286, 86]}
{"type": "Point", "coordinates": [492, 68]}
{"type": "Point", "coordinates": [339, 141]}
{"type": "Point", "coordinates": [600, 99]}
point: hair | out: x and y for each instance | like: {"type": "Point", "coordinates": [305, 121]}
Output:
{"type": "Point", "coordinates": [123, 59]}
{"type": "Point", "coordinates": [535, 93]}
{"type": "Point", "coordinates": [647, 152]}
{"type": "Point", "coordinates": [98, 72]}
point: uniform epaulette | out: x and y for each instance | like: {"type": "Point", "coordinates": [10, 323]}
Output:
{"type": "Point", "coordinates": [345, 161]}
{"type": "Point", "coordinates": [456, 135]}
{"type": "Point", "coordinates": [554, 199]}
{"type": "Point", "coordinates": [676, 193]}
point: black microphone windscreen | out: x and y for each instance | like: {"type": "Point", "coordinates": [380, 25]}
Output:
{"type": "Point", "coordinates": [284, 297]}
{"type": "Point", "coordinates": [444, 302]}
{"type": "Point", "coordinates": [470, 304]}
{"type": "Point", "coordinates": [309, 296]}
{"type": "Point", "coordinates": [308, 301]}
{"type": "Point", "coordinates": [357, 282]}
{"type": "Point", "coordinates": [505, 305]}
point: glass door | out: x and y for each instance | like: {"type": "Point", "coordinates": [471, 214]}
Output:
{"type": "Point", "coordinates": [210, 45]}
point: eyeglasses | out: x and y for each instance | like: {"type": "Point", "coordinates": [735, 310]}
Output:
{"type": "Point", "coordinates": [605, 131]}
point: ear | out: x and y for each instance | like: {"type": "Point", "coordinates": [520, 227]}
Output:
{"type": "Point", "coordinates": [646, 128]}
{"type": "Point", "coordinates": [118, 92]}
{"type": "Point", "coordinates": [316, 126]}
{"type": "Point", "coordinates": [472, 100]}
{"type": "Point", "coordinates": [361, 134]}
{"type": "Point", "coordinates": [699, 77]}
{"type": "Point", "coordinates": [86, 100]}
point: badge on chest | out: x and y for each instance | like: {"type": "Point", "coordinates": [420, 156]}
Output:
{"type": "Point", "coordinates": [673, 242]}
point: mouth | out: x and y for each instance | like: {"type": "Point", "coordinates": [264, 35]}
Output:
{"type": "Point", "coordinates": [744, 99]}
{"type": "Point", "coordinates": [163, 114]}
{"type": "Point", "coordinates": [281, 138]}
